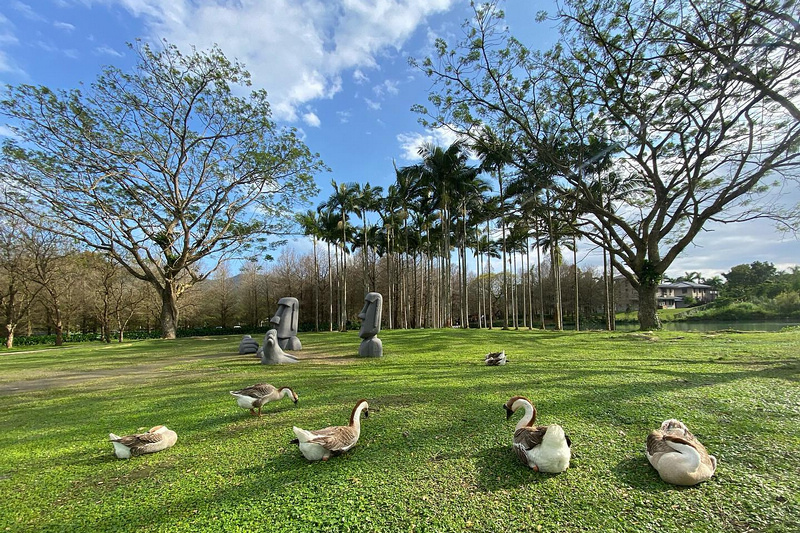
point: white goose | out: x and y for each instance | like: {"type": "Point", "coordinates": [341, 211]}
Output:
{"type": "Point", "coordinates": [255, 396]}
{"type": "Point", "coordinates": [543, 448]}
{"type": "Point", "coordinates": [154, 440]}
{"type": "Point", "coordinates": [323, 443]}
{"type": "Point", "coordinates": [678, 456]}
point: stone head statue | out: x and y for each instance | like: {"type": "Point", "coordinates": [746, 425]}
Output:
{"type": "Point", "coordinates": [370, 317]}
{"type": "Point", "coordinates": [286, 321]}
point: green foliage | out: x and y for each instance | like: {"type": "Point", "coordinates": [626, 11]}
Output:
{"type": "Point", "coordinates": [434, 455]}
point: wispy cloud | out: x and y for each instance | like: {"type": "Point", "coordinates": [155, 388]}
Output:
{"type": "Point", "coordinates": [359, 77]}
{"type": "Point", "coordinates": [65, 26]}
{"type": "Point", "coordinates": [388, 87]}
{"type": "Point", "coordinates": [372, 104]}
{"type": "Point", "coordinates": [106, 50]}
{"type": "Point", "coordinates": [344, 116]}
{"type": "Point", "coordinates": [27, 11]}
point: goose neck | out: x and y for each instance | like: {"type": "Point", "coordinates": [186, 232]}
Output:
{"type": "Point", "coordinates": [529, 417]}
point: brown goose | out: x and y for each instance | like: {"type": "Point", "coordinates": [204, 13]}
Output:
{"type": "Point", "coordinates": [255, 396]}
{"type": "Point", "coordinates": [154, 440]}
{"type": "Point", "coordinates": [323, 443]}
{"type": "Point", "coordinates": [678, 456]}
{"type": "Point", "coordinates": [543, 448]}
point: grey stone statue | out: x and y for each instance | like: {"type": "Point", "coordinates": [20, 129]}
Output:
{"type": "Point", "coordinates": [248, 345]}
{"type": "Point", "coordinates": [370, 317]}
{"type": "Point", "coordinates": [271, 353]}
{"type": "Point", "coordinates": [285, 321]}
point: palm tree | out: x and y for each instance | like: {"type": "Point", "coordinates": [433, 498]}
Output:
{"type": "Point", "coordinates": [495, 153]}
{"type": "Point", "coordinates": [367, 198]}
{"type": "Point", "coordinates": [343, 201]}
{"type": "Point", "coordinates": [329, 226]}
{"type": "Point", "coordinates": [442, 170]}
{"type": "Point", "coordinates": [311, 227]}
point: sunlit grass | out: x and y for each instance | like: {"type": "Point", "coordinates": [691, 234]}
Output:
{"type": "Point", "coordinates": [434, 454]}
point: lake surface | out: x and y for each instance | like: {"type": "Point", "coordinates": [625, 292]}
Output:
{"type": "Point", "coordinates": [717, 325]}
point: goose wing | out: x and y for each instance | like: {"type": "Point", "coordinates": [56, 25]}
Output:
{"type": "Point", "coordinates": [335, 438]}
{"type": "Point", "coordinates": [138, 441]}
{"type": "Point", "coordinates": [529, 437]}
{"type": "Point", "coordinates": [257, 391]}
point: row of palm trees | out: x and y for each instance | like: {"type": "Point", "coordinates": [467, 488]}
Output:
{"type": "Point", "coordinates": [439, 206]}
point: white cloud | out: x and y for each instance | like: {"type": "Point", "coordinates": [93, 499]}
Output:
{"type": "Point", "coordinates": [295, 49]}
{"type": "Point", "coordinates": [26, 11]}
{"type": "Point", "coordinates": [411, 142]}
{"type": "Point", "coordinates": [359, 77]}
{"type": "Point", "coordinates": [107, 51]}
{"type": "Point", "coordinates": [344, 116]}
{"type": "Point", "coordinates": [372, 104]}
{"type": "Point", "coordinates": [387, 87]}
{"type": "Point", "coordinates": [311, 119]}
{"type": "Point", "coordinates": [66, 26]}
{"type": "Point", "coordinates": [5, 131]}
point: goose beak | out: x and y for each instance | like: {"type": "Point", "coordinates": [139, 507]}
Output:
{"type": "Point", "coordinates": [366, 413]}
{"type": "Point", "coordinates": [509, 412]}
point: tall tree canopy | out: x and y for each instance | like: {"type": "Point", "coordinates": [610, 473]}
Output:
{"type": "Point", "coordinates": [170, 168]}
{"type": "Point", "coordinates": [696, 99]}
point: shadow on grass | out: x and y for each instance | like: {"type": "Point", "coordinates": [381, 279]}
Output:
{"type": "Point", "coordinates": [498, 468]}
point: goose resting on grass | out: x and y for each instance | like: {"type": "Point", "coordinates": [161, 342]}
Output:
{"type": "Point", "coordinates": [495, 358]}
{"type": "Point", "coordinates": [543, 448]}
{"type": "Point", "coordinates": [333, 440]}
{"type": "Point", "coordinates": [154, 440]}
{"type": "Point", "coordinates": [255, 396]}
{"type": "Point", "coordinates": [678, 456]}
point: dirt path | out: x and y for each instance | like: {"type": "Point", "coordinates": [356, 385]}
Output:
{"type": "Point", "coordinates": [69, 378]}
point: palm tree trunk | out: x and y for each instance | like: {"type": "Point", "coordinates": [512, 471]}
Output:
{"type": "Point", "coordinates": [577, 292]}
{"type": "Point", "coordinates": [539, 274]}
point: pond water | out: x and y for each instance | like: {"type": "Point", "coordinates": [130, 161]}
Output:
{"type": "Point", "coordinates": [772, 325]}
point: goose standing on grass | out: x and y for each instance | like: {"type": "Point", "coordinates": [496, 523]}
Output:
{"type": "Point", "coordinates": [543, 448]}
{"type": "Point", "coordinates": [154, 440]}
{"type": "Point", "coordinates": [255, 396]}
{"type": "Point", "coordinates": [678, 456]}
{"type": "Point", "coordinates": [333, 440]}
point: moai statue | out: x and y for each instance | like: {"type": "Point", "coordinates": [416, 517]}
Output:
{"type": "Point", "coordinates": [271, 353]}
{"type": "Point", "coordinates": [285, 321]}
{"type": "Point", "coordinates": [370, 317]}
{"type": "Point", "coordinates": [248, 345]}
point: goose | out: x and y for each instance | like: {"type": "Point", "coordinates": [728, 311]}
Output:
{"type": "Point", "coordinates": [323, 443]}
{"type": "Point", "coordinates": [543, 448]}
{"type": "Point", "coordinates": [157, 438]}
{"type": "Point", "coordinates": [678, 456]}
{"type": "Point", "coordinates": [495, 358]}
{"type": "Point", "coordinates": [255, 396]}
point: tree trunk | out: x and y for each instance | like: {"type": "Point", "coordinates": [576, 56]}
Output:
{"type": "Point", "coordinates": [648, 318]}
{"type": "Point", "coordinates": [10, 335]}
{"type": "Point", "coordinates": [577, 292]}
{"type": "Point", "coordinates": [169, 313]}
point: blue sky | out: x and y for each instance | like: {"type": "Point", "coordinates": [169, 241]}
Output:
{"type": "Point", "coordinates": [335, 69]}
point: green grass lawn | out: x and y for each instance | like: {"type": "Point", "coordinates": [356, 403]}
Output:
{"type": "Point", "coordinates": [434, 455]}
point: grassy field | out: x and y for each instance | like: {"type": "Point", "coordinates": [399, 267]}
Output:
{"type": "Point", "coordinates": [434, 454]}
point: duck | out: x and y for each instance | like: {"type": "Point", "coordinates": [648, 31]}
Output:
{"type": "Point", "coordinates": [542, 448]}
{"type": "Point", "coordinates": [678, 456]}
{"type": "Point", "coordinates": [323, 443]}
{"type": "Point", "coordinates": [255, 396]}
{"type": "Point", "coordinates": [156, 438]}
